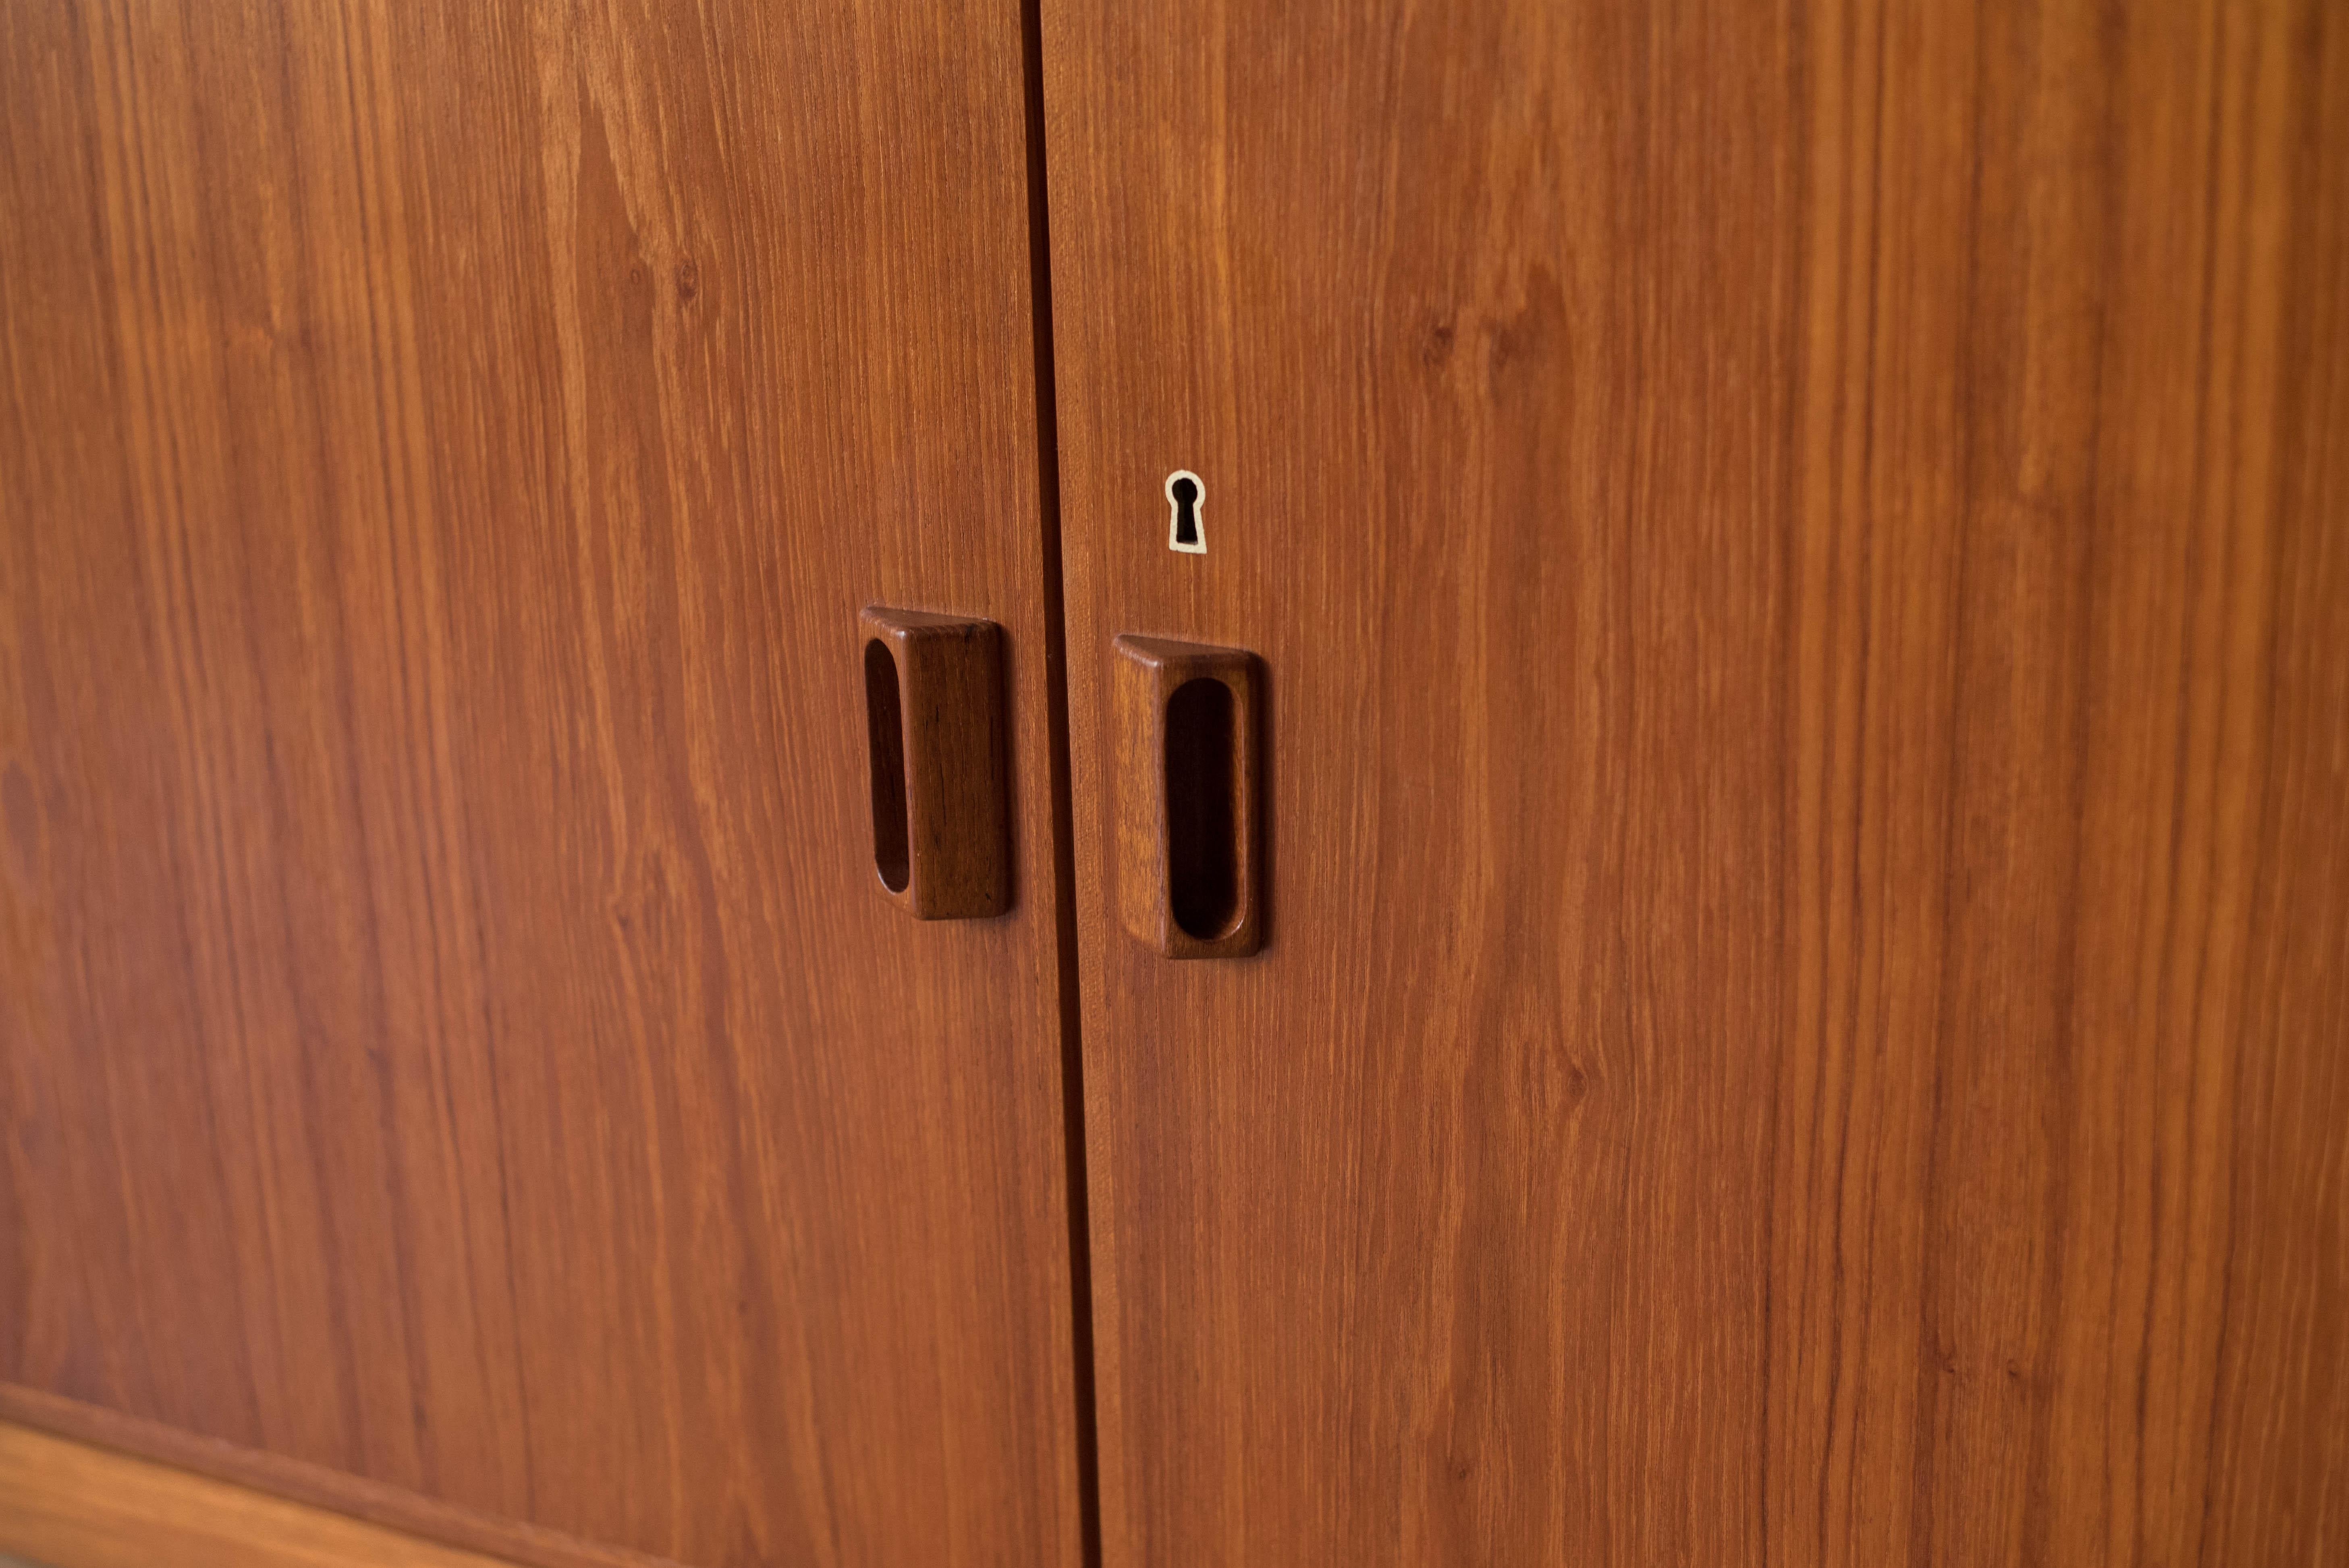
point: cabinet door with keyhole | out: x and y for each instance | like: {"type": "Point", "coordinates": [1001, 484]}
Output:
{"type": "Point", "coordinates": [458, 1060]}
{"type": "Point", "coordinates": [1793, 564]}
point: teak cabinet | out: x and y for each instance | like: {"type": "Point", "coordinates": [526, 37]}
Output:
{"type": "Point", "coordinates": [1167, 784]}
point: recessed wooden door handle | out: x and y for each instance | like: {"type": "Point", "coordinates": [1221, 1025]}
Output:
{"type": "Point", "coordinates": [935, 744]}
{"type": "Point", "coordinates": [1190, 845]}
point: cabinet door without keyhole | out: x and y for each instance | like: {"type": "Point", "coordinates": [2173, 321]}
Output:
{"type": "Point", "coordinates": [456, 1058]}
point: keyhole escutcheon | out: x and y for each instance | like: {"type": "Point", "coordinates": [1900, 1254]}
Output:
{"type": "Point", "coordinates": [1186, 499]}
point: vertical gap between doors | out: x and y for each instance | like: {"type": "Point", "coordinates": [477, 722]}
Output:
{"type": "Point", "coordinates": [1064, 873]}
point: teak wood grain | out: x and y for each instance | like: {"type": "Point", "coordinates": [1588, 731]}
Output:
{"type": "Point", "coordinates": [447, 1033]}
{"type": "Point", "coordinates": [65, 1504]}
{"type": "Point", "coordinates": [1803, 555]}
{"type": "Point", "coordinates": [940, 811]}
{"type": "Point", "coordinates": [1149, 672]}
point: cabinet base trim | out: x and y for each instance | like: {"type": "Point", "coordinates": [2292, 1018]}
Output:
{"type": "Point", "coordinates": [85, 1487]}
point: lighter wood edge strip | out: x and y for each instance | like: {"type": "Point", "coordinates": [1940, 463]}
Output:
{"type": "Point", "coordinates": [85, 1487]}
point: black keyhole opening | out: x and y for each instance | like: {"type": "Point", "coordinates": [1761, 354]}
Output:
{"type": "Point", "coordinates": [1186, 521]}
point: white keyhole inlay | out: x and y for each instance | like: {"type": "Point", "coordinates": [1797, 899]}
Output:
{"type": "Point", "coordinates": [1186, 498]}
